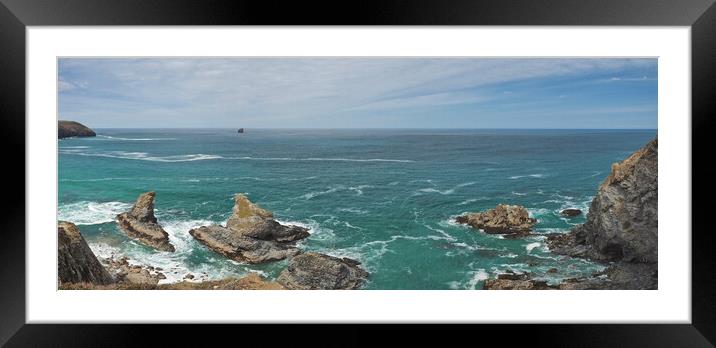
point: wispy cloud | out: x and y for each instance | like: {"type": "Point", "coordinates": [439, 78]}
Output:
{"type": "Point", "coordinates": [259, 92]}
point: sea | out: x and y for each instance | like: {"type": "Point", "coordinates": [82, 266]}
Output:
{"type": "Point", "coordinates": [385, 197]}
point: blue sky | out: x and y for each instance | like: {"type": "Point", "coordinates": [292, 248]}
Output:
{"type": "Point", "coordinates": [359, 92]}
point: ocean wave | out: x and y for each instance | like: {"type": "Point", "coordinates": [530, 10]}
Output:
{"type": "Point", "coordinates": [143, 156]}
{"type": "Point", "coordinates": [73, 147]}
{"type": "Point", "coordinates": [353, 210]}
{"type": "Point", "coordinates": [314, 194]}
{"type": "Point", "coordinates": [100, 136]}
{"type": "Point", "coordinates": [443, 192]}
{"type": "Point", "coordinates": [91, 213]}
{"type": "Point", "coordinates": [321, 159]}
{"type": "Point", "coordinates": [518, 193]}
{"type": "Point", "coordinates": [538, 176]}
{"type": "Point", "coordinates": [359, 189]}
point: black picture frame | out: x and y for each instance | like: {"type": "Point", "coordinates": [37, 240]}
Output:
{"type": "Point", "coordinates": [699, 15]}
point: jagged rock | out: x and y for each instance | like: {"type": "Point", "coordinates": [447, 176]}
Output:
{"type": "Point", "coordinates": [251, 281]}
{"type": "Point", "coordinates": [124, 273]}
{"type": "Point", "coordinates": [571, 212]}
{"type": "Point", "coordinates": [239, 247]}
{"type": "Point", "coordinates": [516, 284]}
{"type": "Point", "coordinates": [251, 235]}
{"type": "Point", "coordinates": [312, 271]}
{"type": "Point", "coordinates": [141, 224]}
{"type": "Point", "coordinates": [66, 129]}
{"type": "Point", "coordinates": [622, 221]}
{"type": "Point", "coordinates": [253, 221]}
{"type": "Point", "coordinates": [75, 261]}
{"type": "Point", "coordinates": [504, 219]}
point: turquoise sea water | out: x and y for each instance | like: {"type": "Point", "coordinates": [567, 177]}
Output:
{"type": "Point", "coordinates": [384, 197]}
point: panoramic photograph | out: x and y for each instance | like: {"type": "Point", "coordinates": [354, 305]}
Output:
{"type": "Point", "coordinates": [357, 173]}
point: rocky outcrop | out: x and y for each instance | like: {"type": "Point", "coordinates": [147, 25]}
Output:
{"type": "Point", "coordinates": [251, 235]}
{"type": "Point", "coordinates": [504, 219]}
{"type": "Point", "coordinates": [238, 247]}
{"type": "Point", "coordinates": [621, 227]}
{"type": "Point", "coordinates": [66, 129]}
{"type": "Point", "coordinates": [622, 221]}
{"type": "Point", "coordinates": [141, 225]}
{"type": "Point", "coordinates": [252, 281]}
{"type": "Point", "coordinates": [75, 261]}
{"type": "Point", "coordinates": [125, 273]}
{"type": "Point", "coordinates": [250, 220]}
{"type": "Point", "coordinates": [314, 271]}
{"type": "Point", "coordinates": [571, 212]}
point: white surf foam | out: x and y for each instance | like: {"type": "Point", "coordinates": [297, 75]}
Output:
{"type": "Point", "coordinates": [537, 176]}
{"type": "Point", "coordinates": [143, 156]}
{"type": "Point", "coordinates": [91, 213]}
{"type": "Point", "coordinates": [321, 159]}
{"type": "Point", "coordinates": [100, 136]}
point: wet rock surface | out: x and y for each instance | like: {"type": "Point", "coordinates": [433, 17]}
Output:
{"type": "Point", "coordinates": [503, 219]}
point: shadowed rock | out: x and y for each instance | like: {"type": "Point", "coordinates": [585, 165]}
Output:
{"type": "Point", "coordinates": [504, 219]}
{"type": "Point", "coordinates": [238, 247]}
{"type": "Point", "coordinates": [75, 261]}
{"type": "Point", "coordinates": [314, 271]}
{"type": "Point", "coordinates": [571, 212]}
{"type": "Point", "coordinates": [622, 221]}
{"type": "Point", "coordinates": [66, 129]}
{"type": "Point", "coordinates": [141, 225]}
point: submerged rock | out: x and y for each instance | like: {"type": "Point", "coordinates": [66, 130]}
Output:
{"type": "Point", "coordinates": [239, 247]}
{"type": "Point", "coordinates": [251, 235]}
{"type": "Point", "coordinates": [66, 129]}
{"type": "Point", "coordinates": [504, 219]}
{"type": "Point", "coordinates": [250, 220]}
{"type": "Point", "coordinates": [571, 212]}
{"type": "Point", "coordinates": [75, 261]}
{"type": "Point", "coordinates": [141, 224]}
{"type": "Point", "coordinates": [314, 271]}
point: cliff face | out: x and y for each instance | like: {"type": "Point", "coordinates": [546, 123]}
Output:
{"type": "Point", "coordinates": [66, 129]}
{"type": "Point", "coordinates": [75, 261]}
{"type": "Point", "coordinates": [622, 222]}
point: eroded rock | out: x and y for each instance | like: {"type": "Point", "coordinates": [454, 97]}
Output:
{"type": "Point", "coordinates": [239, 247]}
{"type": "Point", "coordinates": [503, 219]}
{"type": "Point", "coordinates": [314, 271]}
{"type": "Point", "coordinates": [75, 261]}
{"type": "Point", "coordinates": [141, 225]}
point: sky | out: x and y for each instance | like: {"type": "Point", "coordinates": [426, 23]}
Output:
{"type": "Point", "coordinates": [358, 92]}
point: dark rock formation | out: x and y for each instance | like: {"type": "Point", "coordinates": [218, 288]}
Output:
{"type": "Point", "coordinates": [250, 220]}
{"type": "Point", "coordinates": [621, 225]}
{"type": "Point", "coordinates": [571, 212]}
{"type": "Point", "coordinates": [75, 261]}
{"type": "Point", "coordinates": [66, 129]}
{"type": "Point", "coordinates": [504, 219]}
{"type": "Point", "coordinates": [314, 271]}
{"type": "Point", "coordinates": [623, 219]}
{"type": "Point", "coordinates": [251, 235]}
{"type": "Point", "coordinates": [242, 248]}
{"type": "Point", "coordinates": [141, 224]}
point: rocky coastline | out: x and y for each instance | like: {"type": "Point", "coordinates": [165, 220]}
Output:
{"type": "Point", "coordinates": [251, 235]}
{"type": "Point", "coordinates": [68, 129]}
{"type": "Point", "coordinates": [620, 231]}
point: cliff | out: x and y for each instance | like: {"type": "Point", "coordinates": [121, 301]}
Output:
{"type": "Point", "coordinates": [622, 222]}
{"type": "Point", "coordinates": [75, 261]}
{"type": "Point", "coordinates": [66, 129]}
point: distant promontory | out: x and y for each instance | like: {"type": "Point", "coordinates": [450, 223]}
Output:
{"type": "Point", "coordinates": [66, 129]}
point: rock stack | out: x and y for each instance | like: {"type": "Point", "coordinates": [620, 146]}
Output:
{"type": "Point", "coordinates": [251, 235]}
{"type": "Point", "coordinates": [66, 129]}
{"type": "Point", "coordinates": [141, 225]}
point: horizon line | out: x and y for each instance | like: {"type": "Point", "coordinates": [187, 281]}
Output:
{"type": "Point", "coordinates": [348, 128]}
